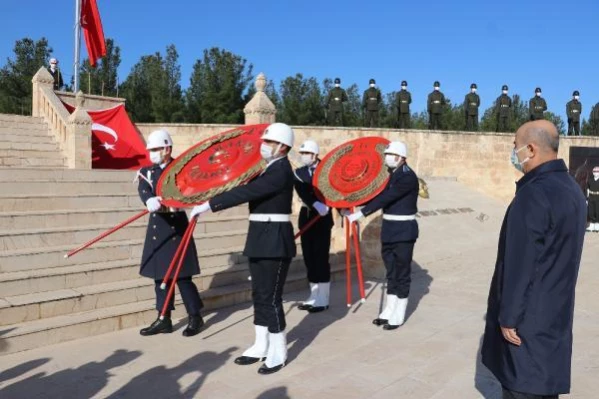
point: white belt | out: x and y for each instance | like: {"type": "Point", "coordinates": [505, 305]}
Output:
{"type": "Point", "coordinates": [269, 217]}
{"type": "Point", "coordinates": [399, 218]}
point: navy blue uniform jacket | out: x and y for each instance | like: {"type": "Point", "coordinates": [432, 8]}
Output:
{"type": "Point", "coordinates": [306, 191]}
{"type": "Point", "coordinates": [399, 197]}
{"type": "Point", "coordinates": [532, 290]}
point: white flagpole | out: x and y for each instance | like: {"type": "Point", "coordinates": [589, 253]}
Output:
{"type": "Point", "coordinates": [77, 45]}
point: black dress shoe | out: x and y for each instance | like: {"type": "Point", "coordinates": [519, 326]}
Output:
{"type": "Point", "coordinates": [264, 369]}
{"type": "Point", "coordinates": [316, 309]}
{"type": "Point", "coordinates": [304, 306]}
{"type": "Point", "coordinates": [157, 327]}
{"type": "Point", "coordinates": [247, 360]}
{"type": "Point", "coordinates": [194, 326]}
{"type": "Point", "coordinates": [380, 322]}
{"type": "Point", "coordinates": [390, 327]}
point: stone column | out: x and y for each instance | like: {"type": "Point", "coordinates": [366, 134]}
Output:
{"type": "Point", "coordinates": [78, 147]}
{"type": "Point", "coordinates": [260, 109]}
{"type": "Point", "coordinates": [40, 80]}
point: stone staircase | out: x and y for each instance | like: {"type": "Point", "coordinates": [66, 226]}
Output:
{"type": "Point", "coordinates": [46, 211]}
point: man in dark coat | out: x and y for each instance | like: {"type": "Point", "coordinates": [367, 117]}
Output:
{"type": "Point", "coordinates": [398, 232]}
{"type": "Point", "coordinates": [270, 244]}
{"type": "Point", "coordinates": [527, 342]}
{"type": "Point", "coordinates": [56, 74]}
{"type": "Point", "coordinates": [166, 227]}
{"type": "Point", "coordinates": [592, 193]}
{"type": "Point", "coordinates": [316, 241]}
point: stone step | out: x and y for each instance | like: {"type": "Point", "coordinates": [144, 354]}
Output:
{"type": "Point", "coordinates": [4, 153]}
{"type": "Point", "coordinates": [33, 334]}
{"type": "Point", "coordinates": [66, 187]}
{"type": "Point", "coordinates": [103, 216]}
{"type": "Point", "coordinates": [16, 202]}
{"type": "Point", "coordinates": [20, 146]}
{"type": "Point", "coordinates": [96, 175]}
{"type": "Point", "coordinates": [53, 256]}
{"type": "Point", "coordinates": [13, 118]}
{"type": "Point", "coordinates": [32, 162]}
{"type": "Point", "coordinates": [32, 130]}
{"type": "Point", "coordinates": [14, 138]}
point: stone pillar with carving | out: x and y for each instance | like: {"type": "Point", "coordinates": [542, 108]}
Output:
{"type": "Point", "coordinates": [40, 80]}
{"type": "Point", "coordinates": [78, 147]}
{"type": "Point", "coordinates": [260, 109]}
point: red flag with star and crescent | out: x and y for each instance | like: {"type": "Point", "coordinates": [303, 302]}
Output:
{"type": "Point", "coordinates": [116, 142]}
{"type": "Point", "coordinates": [92, 31]}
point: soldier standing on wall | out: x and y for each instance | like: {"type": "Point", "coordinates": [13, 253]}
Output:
{"type": "Point", "coordinates": [337, 96]}
{"type": "Point", "coordinates": [402, 103]}
{"type": "Point", "coordinates": [537, 106]}
{"type": "Point", "coordinates": [370, 102]}
{"type": "Point", "coordinates": [573, 111]}
{"type": "Point", "coordinates": [435, 105]}
{"type": "Point", "coordinates": [471, 104]}
{"type": "Point", "coordinates": [503, 106]}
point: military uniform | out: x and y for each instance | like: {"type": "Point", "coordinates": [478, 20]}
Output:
{"type": "Point", "coordinates": [573, 111]}
{"type": "Point", "coordinates": [503, 106]}
{"type": "Point", "coordinates": [593, 202]}
{"type": "Point", "coordinates": [435, 106]}
{"type": "Point", "coordinates": [537, 106]}
{"type": "Point", "coordinates": [163, 236]}
{"type": "Point", "coordinates": [316, 241]}
{"type": "Point", "coordinates": [57, 76]}
{"type": "Point", "coordinates": [370, 102]}
{"type": "Point", "coordinates": [403, 100]}
{"type": "Point", "coordinates": [471, 104]}
{"type": "Point", "coordinates": [337, 96]}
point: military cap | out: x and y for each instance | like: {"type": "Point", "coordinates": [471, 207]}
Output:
{"type": "Point", "coordinates": [473, 86]}
{"type": "Point", "coordinates": [437, 84]}
{"type": "Point", "coordinates": [404, 83]}
{"type": "Point", "coordinates": [337, 81]}
{"type": "Point", "coordinates": [576, 93]}
{"type": "Point", "coordinates": [504, 87]}
{"type": "Point", "coordinates": [371, 82]}
{"type": "Point", "coordinates": [538, 90]}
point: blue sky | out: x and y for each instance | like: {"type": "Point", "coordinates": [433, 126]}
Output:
{"type": "Point", "coordinates": [552, 44]}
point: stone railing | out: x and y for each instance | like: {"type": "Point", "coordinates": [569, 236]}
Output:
{"type": "Point", "coordinates": [72, 131]}
{"type": "Point", "coordinates": [92, 102]}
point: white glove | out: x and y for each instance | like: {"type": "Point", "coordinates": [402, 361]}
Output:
{"type": "Point", "coordinates": [321, 208]}
{"type": "Point", "coordinates": [153, 204]}
{"type": "Point", "coordinates": [344, 212]}
{"type": "Point", "coordinates": [199, 209]}
{"type": "Point", "coordinates": [355, 216]}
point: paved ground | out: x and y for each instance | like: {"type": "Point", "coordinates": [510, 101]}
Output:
{"type": "Point", "coordinates": [335, 354]}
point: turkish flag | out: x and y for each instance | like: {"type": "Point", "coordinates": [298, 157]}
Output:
{"type": "Point", "coordinates": [116, 142]}
{"type": "Point", "coordinates": [92, 30]}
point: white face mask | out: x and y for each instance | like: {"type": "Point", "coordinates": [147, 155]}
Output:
{"type": "Point", "coordinates": [404, 87]}
{"type": "Point", "coordinates": [504, 92]}
{"type": "Point", "coordinates": [372, 85]}
{"type": "Point", "coordinates": [267, 152]}
{"type": "Point", "coordinates": [538, 94]}
{"type": "Point", "coordinates": [307, 159]}
{"type": "Point", "coordinates": [52, 67]}
{"type": "Point", "coordinates": [337, 85]}
{"type": "Point", "coordinates": [436, 88]}
{"type": "Point", "coordinates": [392, 161]}
{"type": "Point", "coordinates": [156, 157]}
{"type": "Point", "coordinates": [473, 90]}
{"type": "Point", "coordinates": [596, 176]}
{"type": "Point", "coordinates": [576, 97]}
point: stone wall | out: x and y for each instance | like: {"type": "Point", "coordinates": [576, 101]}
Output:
{"type": "Point", "coordinates": [478, 160]}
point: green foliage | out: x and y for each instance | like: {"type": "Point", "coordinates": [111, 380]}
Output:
{"type": "Point", "coordinates": [218, 84]}
{"type": "Point", "coordinates": [15, 76]}
{"type": "Point", "coordinates": [301, 101]}
{"type": "Point", "coordinates": [103, 79]}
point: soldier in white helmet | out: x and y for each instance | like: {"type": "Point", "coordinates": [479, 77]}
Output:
{"type": "Point", "coordinates": [270, 245]}
{"type": "Point", "coordinates": [316, 241]}
{"type": "Point", "coordinates": [399, 232]}
{"type": "Point", "coordinates": [166, 227]}
{"type": "Point", "coordinates": [55, 72]}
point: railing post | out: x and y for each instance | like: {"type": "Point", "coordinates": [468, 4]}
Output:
{"type": "Point", "coordinates": [79, 133]}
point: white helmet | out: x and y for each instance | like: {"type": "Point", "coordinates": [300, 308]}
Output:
{"type": "Point", "coordinates": [309, 146]}
{"type": "Point", "coordinates": [53, 61]}
{"type": "Point", "coordinates": [279, 132]}
{"type": "Point", "coordinates": [159, 139]}
{"type": "Point", "coordinates": [397, 148]}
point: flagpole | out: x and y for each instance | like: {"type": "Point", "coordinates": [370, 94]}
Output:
{"type": "Point", "coordinates": [77, 45]}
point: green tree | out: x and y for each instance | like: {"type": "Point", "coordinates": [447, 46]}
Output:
{"type": "Point", "coordinates": [301, 101]}
{"type": "Point", "coordinates": [557, 121]}
{"type": "Point", "coordinates": [218, 88]}
{"type": "Point", "coordinates": [16, 74]}
{"type": "Point", "coordinates": [103, 79]}
{"type": "Point", "coordinates": [153, 89]}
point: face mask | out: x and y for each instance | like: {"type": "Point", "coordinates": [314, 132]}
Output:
{"type": "Point", "coordinates": [576, 97]}
{"type": "Point", "coordinates": [53, 67]}
{"type": "Point", "coordinates": [473, 90]}
{"type": "Point", "coordinates": [514, 159]}
{"type": "Point", "coordinates": [337, 85]}
{"type": "Point", "coordinates": [392, 161]}
{"type": "Point", "coordinates": [596, 176]}
{"type": "Point", "coordinates": [505, 92]}
{"type": "Point", "coordinates": [436, 88]}
{"type": "Point", "coordinates": [156, 157]}
{"type": "Point", "coordinates": [307, 159]}
{"type": "Point", "coordinates": [538, 94]}
{"type": "Point", "coordinates": [267, 152]}
{"type": "Point", "coordinates": [372, 85]}
{"type": "Point", "coordinates": [404, 87]}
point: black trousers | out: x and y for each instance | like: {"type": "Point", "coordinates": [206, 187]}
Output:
{"type": "Point", "coordinates": [371, 118]}
{"type": "Point", "coordinates": [268, 281]}
{"type": "Point", "coordinates": [434, 122]}
{"type": "Point", "coordinates": [335, 118]}
{"type": "Point", "coordinates": [573, 127]}
{"type": "Point", "coordinates": [316, 245]}
{"type": "Point", "coordinates": [503, 124]}
{"type": "Point", "coordinates": [472, 123]}
{"type": "Point", "coordinates": [593, 208]}
{"type": "Point", "coordinates": [397, 257]}
{"type": "Point", "coordinates": [189, 292]}
{"type": "Point", "coordinates": [507, 394]}
{"type": "Point", "coordinates": [404, 121]}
